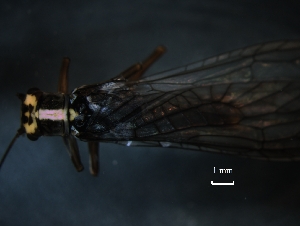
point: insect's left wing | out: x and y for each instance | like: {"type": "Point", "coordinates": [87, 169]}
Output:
{"type": "Point", "coordinates": [244, 102]}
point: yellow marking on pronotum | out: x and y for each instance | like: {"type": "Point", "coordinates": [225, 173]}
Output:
{"type": "Point", "coordinates": [73, 114]}
{"type": "Point", "coordinates": [30, 100]}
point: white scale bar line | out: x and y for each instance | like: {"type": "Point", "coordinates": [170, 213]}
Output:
{"type": "Point", "coordinates": [212, 183]}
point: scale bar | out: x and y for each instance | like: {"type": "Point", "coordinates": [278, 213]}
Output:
{"type": "Point", "coordinates": [212, 183]}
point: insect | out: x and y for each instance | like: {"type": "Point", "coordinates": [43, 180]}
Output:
{"type": "Point", "coordinates": [245, 102]}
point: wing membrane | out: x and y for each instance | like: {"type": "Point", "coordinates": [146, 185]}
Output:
{"type": "Point", "coordinates": [244, 102]}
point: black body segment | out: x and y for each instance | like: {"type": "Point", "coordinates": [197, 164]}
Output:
{"type": "Point", "coordinates": [133, 73]}
{"type": "Point", "coordinates": [245, 102]}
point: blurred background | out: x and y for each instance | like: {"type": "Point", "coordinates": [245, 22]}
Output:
{"type": "Point", "coordinates": [136, 186]}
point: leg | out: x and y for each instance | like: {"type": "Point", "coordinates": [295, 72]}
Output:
{"type": "Point", "coordinates": [63, 77]}
{"type": "Point", "coordinates": [131, 71]}
{"type": "Point", "coordinates": [94, 155]}
{"type": "Point", "coordinates": [73, 150]}
{"type": "Point", "coordinates": [158, 52]}
{"type": "Point", "coordinates": [137, 70]}
{"type": "Point", "coordinates": [69, 140]}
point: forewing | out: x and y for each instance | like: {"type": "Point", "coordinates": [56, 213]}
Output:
{"type": "Point", "coordinates": [244, 102]}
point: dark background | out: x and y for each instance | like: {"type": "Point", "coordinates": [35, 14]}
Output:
{"type": "Point", "coordinates": [136, 186]}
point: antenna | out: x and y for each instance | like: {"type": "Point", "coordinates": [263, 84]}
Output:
{"type": "Point", "coordinates": [19, 132]}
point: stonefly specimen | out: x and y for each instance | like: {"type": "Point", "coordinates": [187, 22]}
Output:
{"type": "Point", "coordinates": [245, 102]}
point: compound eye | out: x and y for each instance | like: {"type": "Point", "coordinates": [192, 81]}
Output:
{"type": "Point", "coordinates": [21, 96]}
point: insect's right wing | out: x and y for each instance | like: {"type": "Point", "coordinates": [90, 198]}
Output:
{"type": "Point", "coordinates": [244, 102]}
